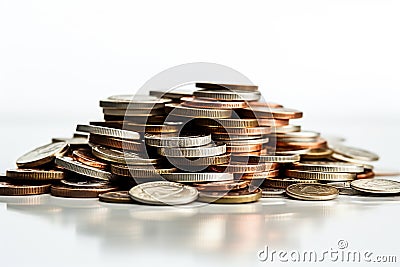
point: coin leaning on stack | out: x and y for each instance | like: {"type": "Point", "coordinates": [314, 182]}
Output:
{"type": "Point", "coordinates": [213, 144]}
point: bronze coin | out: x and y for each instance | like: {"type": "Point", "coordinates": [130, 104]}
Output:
{"type": "Point", "coordinates": [116, 197]}
{"type": "Point", "coordinates": [77, 192]}
{"type": "Point", "coordinates": [85, 156]}
{"type": "Point", "coordinates": [221, 186]}
{"type": "Point", "coordinates": [9, 189]}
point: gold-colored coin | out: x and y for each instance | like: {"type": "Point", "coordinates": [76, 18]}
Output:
{"type": "Point", "coordinates": [245, 131]}
{"type": "Point", "coordinates": [243, 148]}
{"type": "Point", "coordinates": [238, 167]}
{"type": "Point", "coordinates": [285, 182]}
{"type": "Point", "coordinates": [321, 176]}
{"type": "Point", "coordinates": [169, 127]}
{"type": "Point", "coordinates": [228, 123]}
{"type": "Point", "coordinates": [203, 161]}
{"type": "Point", "coordinates": [142, 171]}
{"type": "Point", "coordinates": [9, 189]}
{"type": "Point", "coordinates": [34, 174]}
{"type": "Point", "coordinates": [312, 191]}
{"type": "Point", "coordinates": [199, 103]}
{"type": "Point", "coordinates": [260, 175]}
{"type": "Point", "coordinates": [231, 197]}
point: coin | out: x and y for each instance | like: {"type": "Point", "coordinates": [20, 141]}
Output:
{"type": "Point", "coordinates": [163, 193]}
{"type": "Point", "coordinates": [139, 171]}
{"type": "Point", "coordinates": [264, 104]}
{"type": "Point", "coordinates": [198, 103]}
{"type": "Point", "coordinates": [376, 186]}
{"type": "Point", "coordinates": [260, 175]}
{"type": "Point", "coordinates": [273, 122]}
{"type": "Point", "coordinates": [224, 86]}
{"type": "Point", "coordinates": [257, 141]}
{"type": "Point", "coordinates": [137, 146]}
{"type": "Point", "coordinates": [221, 186]}
{"type": "Point", "coordinates": [137, 101]}
{"type": "Point", "coordinates": [197, 177]}
{"type": "Point", "coordinates": [73, 142]}
{"type": "Point", "coordinates": [286, 129]}
{"type": "Point", "coordinates": [228, 95]}
{"type": "Point", "coordinates": [203, 161]}
{"type": "Point", "coordinates": [177, 141]}
{"type": "Point", "coordinates": [339, 157]}
{"type": "Point", "coordinates": [344, 188]}
{"type": "Point", "coordinates": [269, 113]}
{"type": "Point", "coordinates": [88, 183]}
{"type": "Point", "coordinates": [326, 166]}
{"type": "Point", "coordinates": [366, 175]}
{"type": "Point", "coordinates": [288, 151]}
{"type": "Point", "coordinates": [42, 155]}
{"type": "Point", "coordinates": [276, 158]}
{"type": "Point", "coordinates": [285, 182]}
{"type": "Point", "coordinates": [321, 176]}
{"type": "Point", "coordinates": [312, 191]}
{"type": "Point", "coordinates": [80, 168]}
{"type": "Point", "coordinates": [272, 192]}
{"type": "Point", "coordinates": [354, 153]}
{"type": "Point", "coordinates": [9, 189]}
{"type": "Point", "coordinates": [117, 156]}
{"type": "Point", "coordinates": [243, 148]}
{"type": "Point", "coordinates": [133, 112]}
{"type": "Point", "coordinates": [174, 94]}
{"type": "Point", "coordinates": [302, 134]}
{"type": "Point", "coordinates": [317, 153]}
{"type": "Point", "coordinates": [246, 131]}
{"type": "Point", "coordinates": [231, 197]}
{"type": "Point", "coordinates": [228, 123]}
{"type": "Point", "coordinates": [189, 112]}
{"type": "Point", "coordinates": [85, 156]}
{"type": "Point", "coordinates": [167, 127]}
{"type": "Point", "coordinates": [34, 174]}
{"type": "Point", "coordinates": [79, 192]}
{"type": "Point", "coordinates": [238, 167]}
{"type": "Point", "coordinates": [193, 152]}
{"type": "Point", "coordinates": [116, 197]}
{"type": "Point", "coordinates": [105, 131]}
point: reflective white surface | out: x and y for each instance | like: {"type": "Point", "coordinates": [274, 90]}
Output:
{"type": "Point", "coordinates": [45, 230]}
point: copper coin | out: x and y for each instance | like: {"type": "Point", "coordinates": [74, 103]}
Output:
{"type": "Point", "coordinates": [221, 186]}
{"type": "Point", "coordinates": [273, 122]}
{"type": "Point", "coordinates": [35, 174]}
{"type": "Point", "coordinates": [231, 197]}
{"type": "Point", "coordinates": [238, 167]}
{"type": "Point", "coordinates": [246, 155]}
{"type": "Point", "coordinates": [116, 197]}
{"type": "Point", "coordinates": [117, 143]}
{"type": "Point", "coordinates": [9, 189]}
{"type": "Point", "coordinates": [224, 86]}
{"type": "Point", "coordinates": [320, 143]}
{"type": "Point", "coordinates": [264, 104]}
{"type": "Point", "coordinates": [271, 113]}
{"type": "Point", "coordinates": [85, 156]}
{"type": "Point", "coordinates": [260, 175]}
{"type": "Point", "coordinates": [285, 182]}
{"type": "Point", "coordinates": [246, 131]}
{"type": "Point", "coordinates": [366, 175]}
{"type": "Point", "coordinates": [79, 192]}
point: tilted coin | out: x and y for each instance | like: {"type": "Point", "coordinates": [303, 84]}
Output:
{"type": "Point", "coordinates": [79, 192]}
{"type": "Point", "coordinates": [42, 155]}
{"type": "Point", "coordinates": [321, 176]}
{"type": "Point", "coordinates": [73, 142]}
{"type": "Point", "coordinates": [111, 132]}
{"type": "Point", "coordinates": [228, 95]}
{"type": "Point", "coordinates": [275, 158]}
{"type": "Point", "coordinates": [327, 166]}
{"type": "Point", "coordinates": [273, 122]}
{"type": "Point", "coordinates": [312, 191]}
{"type": "Point", "coordinates": [84, 155]}
{"type": "Point", "coordinates": [132, 112]}
{"type": "Point", "coordinates": [257, 141]}
{"type": "Point", "coordinates": [224, 86]}
{"type": "Point", "coordinates": [88, 183]}
{"type": "Point", "coordinates": [175, 94]}
{"type": "Point", "coordinates": [137, 146]}
{"type": "Point", "coordinates": [376, 186]}
{"type": "Point", "coordinates": [285, 182]}
{"type": "Point", "coordinates": [34, 174]}
{"type": "Point", "coordinates": [193, 152]}
{"type": "Point", "coordinates": [344, 188]}
{"type": "Point", "coordinates": [189, 112]}
{"type": "Point", "coordinates": [260, 175]}
{"type": "Point", "coordinates": [317, 153]}
{"type": "Point", "coordinates": [366, 175]}
{"type": "Point", "coordinates": [9, 189]}
{"type": "Point", "coordinates": [245, 131]}
{"type": "Point", "coordinates": [137, 101]}
{"type": "Point", "coordinates": [302, 134]}
{"type": "Point", "coordinates": [167, 127]}
{"type": "Point", "coordinates": [231, 197]}
{"type": "Point", "coordinates": [192, 177]}
{"type": "Point", "coordinates": [319, 143]}
{"type": "Point", "coordinates": [163, 193]}
{"type": "Point", "coordinates": [139, 171]}
{"type": "Point", "coordinates": [80, 168]}
{"type": "Point", "coordinates": [353, 152]}
{"type": "Point", "coordinates": [268, 113]}
{"type": "Point", "coordinates": [288, 151]}
{"type": "Point", "coordinates": [264, 104]}
{"type": "Point", "coordinates": [340, 157]}
{"type": "Point", "coordinates": [203, 161]}
{"type": "Point", "coordinates": [287, 129]}
{"type": "Point", "coordinates": [233, 137]}
{"type": "Point", "coordinates": [123, 157]}
{"type": "Point", "coordinates": [116, 197]}
{"type": "Point", "coordinates": [180, 141]}
{"type": "Point", "coordinates": [221, 186]}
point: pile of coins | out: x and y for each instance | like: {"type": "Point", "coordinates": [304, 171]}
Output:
{"type": "Point", "coordinates": [219, 143]}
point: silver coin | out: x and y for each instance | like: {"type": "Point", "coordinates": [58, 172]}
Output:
{"type": "Point", "coordinates": [353, 152]}
{"type": "Point", "coordinates": [187, 112]}
{"type": "Point", "coordinates": [302, 134]}
{"type": "Point", "coordinates": [198, 177]}
{"type": "Point", "coordinates": [42, 155]}
{"type": "Point", "coordinates": [376, 186]}
{"type": "Point", "coordinates": [293, 152]}
{"type": "Point", "coordinates": [286, 129]}
{"type": "Point", "coordinates": [137, 101]}
{"type": "Point", "coordinates": [132, 112]}
{"type": "Point", "coordinates": [272, 192]}
{"type": "Point", "coordinates": [328, 166]}
{"type": "Point", "coordinates": [193, 152]}
{"type": "Point", "coordinates": [177, 141]}
{"type": "Point", "coordinates": [80, 168]}
{"type": "Point", "coordinates": [112, 132]}
{"type": "Point", "coordinates": [321, 176]}
{"type": "Point", "coordinates": [257, 141]}
{"type": "Point", "coordinates": [74, 141]}
{"type": "Point", "coordinates": [279, 159]}
{"type": "Point", "coordinates": [177, 93]}
{"type": "Point", "coordinates": [228, 95]}
{"type": "Point", "coordinates": [85, 184]}
{"type": "Point", "coordinates": [365, 164]}
{"type": "Point", "coordinates": [117, 156]}
{"type": "Point", "coordinates": [163, 193]}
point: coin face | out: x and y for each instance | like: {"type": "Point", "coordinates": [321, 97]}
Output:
{"type": "Point", "coordinates": [42, 155]}
{"type": "Point", "coordinates": [163, 193]}
{"type": "Point", "coordinates": [355, 153]}
{"type": "Point", "coordinates": [376, 186]}
{"type": "Point", "coordinates": [312, 191]}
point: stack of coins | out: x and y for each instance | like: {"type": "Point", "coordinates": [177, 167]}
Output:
{"type": "Point", "coordinates": [220, 143]}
